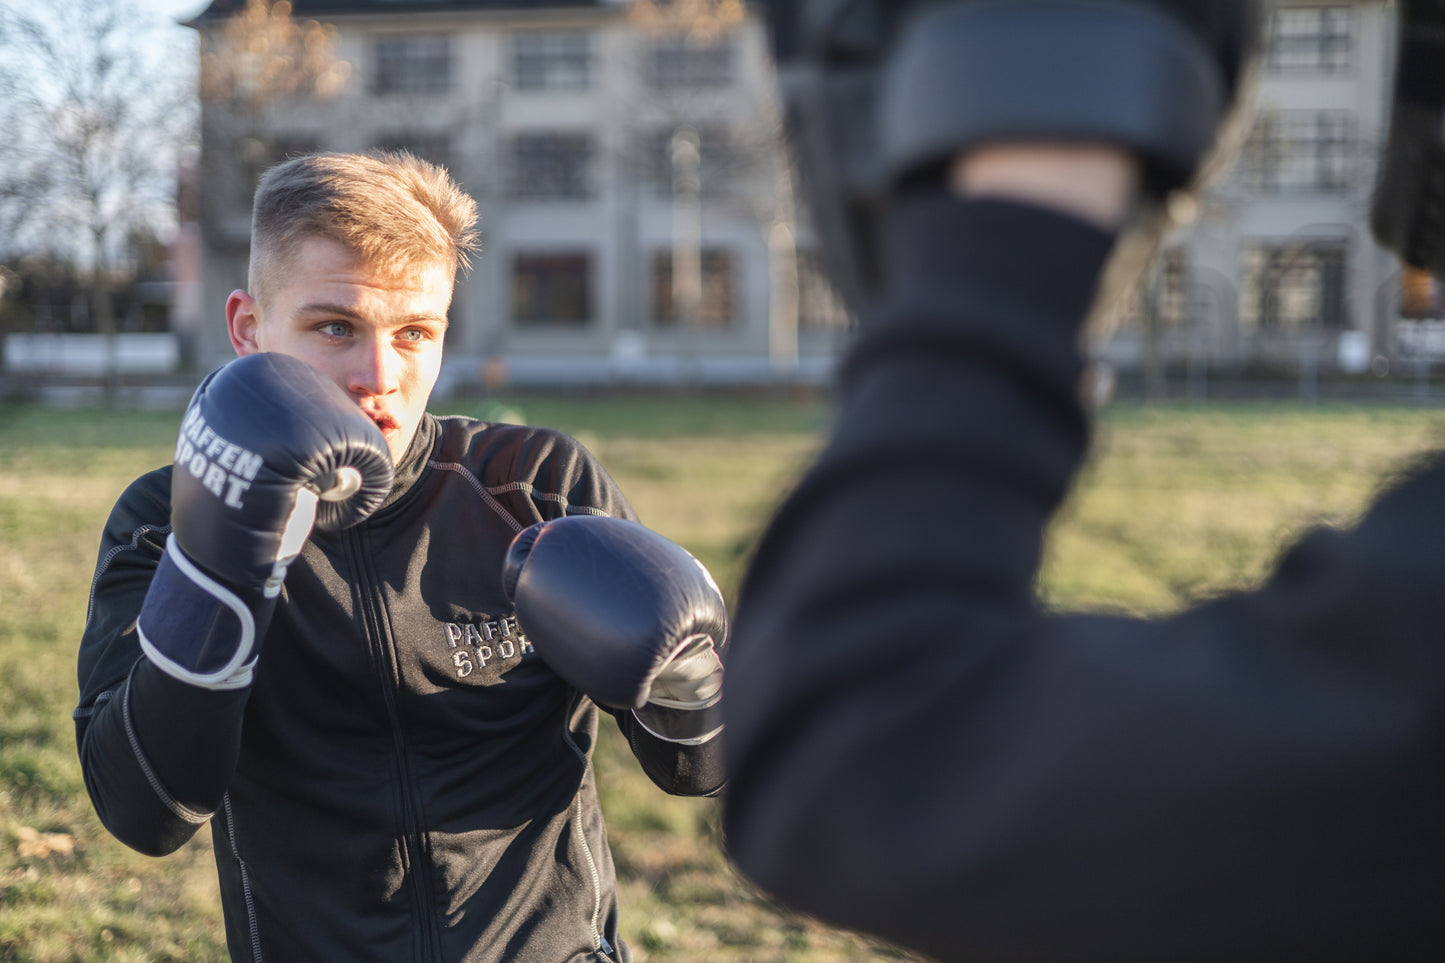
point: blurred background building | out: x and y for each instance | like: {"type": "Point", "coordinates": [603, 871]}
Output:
{"type": "Point", "coordinates": [638, 218]}
{"type": "Point", "coordinates": [1275, 269]}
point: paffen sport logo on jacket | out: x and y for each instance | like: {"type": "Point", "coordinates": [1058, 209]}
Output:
{"type": "Point", "coordinates": [475, 645]}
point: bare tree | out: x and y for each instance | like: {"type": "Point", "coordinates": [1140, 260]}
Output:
{"type": "Point", "coordinates": [702, 21]}
{"type": "Point", "coordinates": [255, 62]}
{"type": "Point", "coordinates": [95, 114]}
{"type": "Point", "coordinates": [268, 83]}
{"type": "Point", "coordinates": [715, 152]}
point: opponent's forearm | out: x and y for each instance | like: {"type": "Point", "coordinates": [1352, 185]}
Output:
{"type": "Point", "coordinates": [906, 559]}
{"type": "Point", "coordinates": [917, 749]}
{"type": "Point", "coordinates": [960, 411]}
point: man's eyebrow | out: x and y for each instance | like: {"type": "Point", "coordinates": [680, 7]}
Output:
{"type": "Point", "coordinates": [328, 307]}
{"type": "Point", "coordinates": [346, 311]}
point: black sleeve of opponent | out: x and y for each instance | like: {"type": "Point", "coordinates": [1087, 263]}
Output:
{"type": "Point", "coordinates": [917, 749]}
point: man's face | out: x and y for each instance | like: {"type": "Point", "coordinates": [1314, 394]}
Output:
{"type": "Point", "coordinates": [379, 338]}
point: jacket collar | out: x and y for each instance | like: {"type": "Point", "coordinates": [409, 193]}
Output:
{"type": "Point", "coordinates": [414, 462]}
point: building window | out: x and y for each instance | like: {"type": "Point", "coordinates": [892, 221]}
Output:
{"type": "Point", "coordinates": [1310, 39]}
{"type": "Point", "coordinates": [430, 146]}
{"type": "Point", "coordinates": [551, 61]}
{"type": "Point", "coordinates": [412, 63]}
{"type": "Point", "coordinates": [552, 288]}
{"type": "Point", "coordinates": [1292, 287]}
{"type": "Point", "coordinates": [820, 308]}
{"type": "Point", "coordinates": [1299, 150]}
{"type": "Point", "coordinates": [550, 166]}
{"type": "Point", "coordinates": [678, 62]}
{"type": "Point", "coordinates": [717, 289]}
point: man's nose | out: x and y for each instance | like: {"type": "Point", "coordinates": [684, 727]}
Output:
{"type": "Point", "coordinates": [376, 370]}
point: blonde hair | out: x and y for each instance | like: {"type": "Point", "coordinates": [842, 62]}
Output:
{"type": "Point", "coordinates": [394, 211]}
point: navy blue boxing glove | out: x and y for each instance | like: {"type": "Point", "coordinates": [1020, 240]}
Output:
{"type": "Point", "coordinates": [268, 448]}
{"type": "Point", "coordinates": [625, 616]}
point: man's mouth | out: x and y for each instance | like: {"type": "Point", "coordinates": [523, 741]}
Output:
{"type": "Point", "coordinates": [384, 421]}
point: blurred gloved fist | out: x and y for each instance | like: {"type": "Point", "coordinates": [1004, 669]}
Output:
{"type": "Point", "coordinates": [625, 616]}
{"type": "Point", "coordinates": [1408, 212]}
{"type": "Point", "coordinates": [881, 92]}
{"type": "Point", "coordinates": [267, 447]}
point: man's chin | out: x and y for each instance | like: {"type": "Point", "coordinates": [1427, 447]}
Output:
{"type": "Point", "coordinates": [397, 441]}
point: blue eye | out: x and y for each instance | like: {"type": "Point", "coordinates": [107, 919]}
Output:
{"type": "Point", "coordinates": [336, 329]}
{"type": "Point", "coordinates": [413, 334]}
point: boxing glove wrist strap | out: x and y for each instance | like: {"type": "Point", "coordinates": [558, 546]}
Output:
{"type": "Point", "coordinates": [197, 630]}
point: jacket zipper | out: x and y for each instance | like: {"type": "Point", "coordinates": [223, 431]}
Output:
{"type": "Point", "coordinates": [383, 652]}
{"type": "Point", "coordinates": [600, 943]}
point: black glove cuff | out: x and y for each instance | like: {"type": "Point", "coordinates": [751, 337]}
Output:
{"type": "Point", "coordinates": [1005, 257]}
{"type": "Point", "coordinates": [1008, 283]}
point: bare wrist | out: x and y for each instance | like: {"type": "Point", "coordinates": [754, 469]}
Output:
{"type": "Point", "coordinates": [1096, 183]}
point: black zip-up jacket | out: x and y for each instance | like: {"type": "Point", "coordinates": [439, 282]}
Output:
{"type": "Point", "coordinates": [405, 779]}
{"type": "Point", "coordinates": [919, 749]}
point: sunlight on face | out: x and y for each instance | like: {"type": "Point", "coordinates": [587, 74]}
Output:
{"type": "Point", "coordinates": [378, 337]}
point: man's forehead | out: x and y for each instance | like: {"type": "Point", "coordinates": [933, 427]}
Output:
{"type": "Point", "coordinates": [321, 261]}
{"type": "Point", "coordinates": [320, 248]}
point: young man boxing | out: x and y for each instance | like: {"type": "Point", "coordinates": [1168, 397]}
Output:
{"type": "Point", "coordinates": [305, 629]}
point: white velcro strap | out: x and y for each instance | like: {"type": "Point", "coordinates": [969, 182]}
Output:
{"type": "Point", "coordinates": [194, 628]}
{"type": "Point", "coordinates": [684, 727]}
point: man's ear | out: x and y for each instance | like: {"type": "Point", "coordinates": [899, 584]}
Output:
{"type": "Point", "coordinates": [243, 319]}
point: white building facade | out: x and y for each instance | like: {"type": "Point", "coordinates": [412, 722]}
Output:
{"type": "Point", "coordinates": [600, 150]}
{"type": "Point", "coordinates": [1277, 269]}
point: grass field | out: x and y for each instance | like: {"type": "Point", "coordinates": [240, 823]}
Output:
{"type": "Point", "coordinates": [1178, 502]}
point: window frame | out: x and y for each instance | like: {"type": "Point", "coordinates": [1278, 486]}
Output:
{"type": "Point", "coordinates": [551, 289]}
{"type": "Point", "coordinates": [1300, 151]}
{"type": "Point", "coordinates": [677, 62]}
{"type": "Point", "coordinates": [551, 65]}
{"type": "Point", "coordinates": [420, 63]}
{"type": "Point", "coordinates": [560, 168]}
{"type": "Point", "coordinates": [1294, 47]}
{"type": "Point", "coordinates": [1274, 293]}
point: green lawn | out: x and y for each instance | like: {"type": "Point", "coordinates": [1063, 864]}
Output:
{"type": "Point", "coordinates": [1178, 502]}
